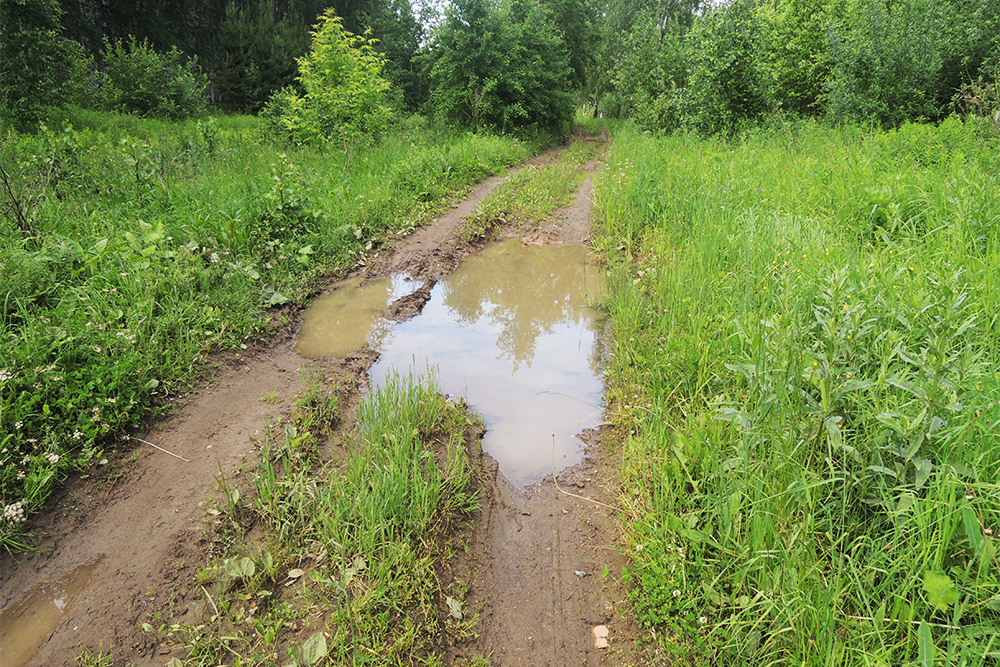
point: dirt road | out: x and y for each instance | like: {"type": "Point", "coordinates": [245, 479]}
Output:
{"type": "Point", "coordinates": [543, 569]}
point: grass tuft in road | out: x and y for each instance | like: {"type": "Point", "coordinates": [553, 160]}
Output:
{"type": "Point", "coordinates": [530, 196]}
{"type": "Point", "coordinates": [352, 546]}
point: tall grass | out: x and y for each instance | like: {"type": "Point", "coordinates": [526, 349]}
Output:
{"type": "Point", "coordinates": [806, 357]}
{"type": "Point", "coordinates": [354, 547]}
{"type": "Point", "coordinates": [144, 245]}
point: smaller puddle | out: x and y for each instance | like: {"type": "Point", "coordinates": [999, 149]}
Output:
{"type": "Point", "coordinates": [29, 620]}
{"type": "Point", "coordinates": [350, 316]}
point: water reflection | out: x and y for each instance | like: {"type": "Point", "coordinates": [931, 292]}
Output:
{"type": "Point", "coordinates": [31, 618]}
{"type": "Point", "coordinates": [524, 291]}
{"type": "Point", "coordinates": [511, 331]}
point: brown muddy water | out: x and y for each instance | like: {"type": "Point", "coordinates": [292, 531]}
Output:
{"type": "Point", "coordinates": [349, 317]}
{"type": "Point", "coordinates": [26, 622]}
{"type": "Point", "coordinates": [510, 330]}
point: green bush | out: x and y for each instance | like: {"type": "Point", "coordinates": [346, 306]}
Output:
{"type": "Point", "coordinates": [142, 82]}
{"type": "Point", "coordinates": [727, 81]}
{"type": "Point", "coordinates": [38, 67]}
{"type": "Point", "coordinates": [345, 95]}
{"type": "Point", "coordinates": [502, 70]}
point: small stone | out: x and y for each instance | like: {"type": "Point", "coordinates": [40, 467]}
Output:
{"type": "Point", "coordinates": [580, 573]}
{"type": "Point", "coordinates": [600, 636]}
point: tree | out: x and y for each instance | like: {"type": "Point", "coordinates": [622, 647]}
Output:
{"type": "Point", "coordinates": [345, 95]}
{"type": "Point", "coordinates": [38, 67]}
{"type": "Point", "coordinates": [727, 82]}
{"type": "Point", "coordinates": [503, 69]}
{"type": "Point", "coordinates": [637, 51]}
{"type": "Point", "coordinates": [399, 34]}
{"type": "Point", "coordinates": [798, 59]}
{"type": "Point", "coordinates": [258, 51]}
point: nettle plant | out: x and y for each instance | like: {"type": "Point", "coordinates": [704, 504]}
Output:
{"type": "Point", "coordinates": [871, 371]}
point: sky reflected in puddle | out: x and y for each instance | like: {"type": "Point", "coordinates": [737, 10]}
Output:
{"type": "Point", "coordinates": [510, 330]}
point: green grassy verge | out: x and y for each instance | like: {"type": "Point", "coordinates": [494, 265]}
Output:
{"type": "Point", "coordinates": [352, 547]}
{"type": "Point", "coordinates": [531, 195]}
{"type": "Point", "coordinates": [806, 356]}
{"type": "Point", "coordinates": [129, 249]}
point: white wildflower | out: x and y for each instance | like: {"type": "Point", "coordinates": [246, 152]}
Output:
{"type": "Point", "coordinates": [14, 513]}
{"type": "Point", "coordinates": [52, 458]}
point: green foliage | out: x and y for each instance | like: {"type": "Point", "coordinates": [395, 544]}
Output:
{"type": "Point", "coordinates": [344, 98]}
{"type": "Point", "coordinates": [399, 35]}
{"type": "Point", "coordinates": [156, 243]}
{"type": "Point", "coordinates": [527, 198]}
{"type": "Point", "coordinates": [727, 83]}
{"type": "Point", "coordinates": [377, 523]}
{"type": "Point", "coordinates": [138, 80]}
{"type": "Point", "coordinates": [806, 359]}
{"type": "Point", "coordinates": [797, 59]}
{"type": "Point", "coordinates": [887, 64]}
{"type": "Point", "coordinates": [502, 69]}
{"type": "Point", "coordinates": [730, 65]}
{"type": "Point", "coordinates": [652, 75]}
{"type": "Point", "coordinates": [258, 53]}
{"type": "Point", "coordinates": [38, 67]}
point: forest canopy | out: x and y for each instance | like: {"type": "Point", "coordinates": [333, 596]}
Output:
{"type": "Point", "coordinates": [526, 65]}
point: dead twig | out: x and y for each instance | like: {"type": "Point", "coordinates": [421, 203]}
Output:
{"type": "Point", "coordinates": [561, 490]}
{"type": "Point", "coordinates": [176, 456]}
{"type": "Point", "coordinates": [16, 205]}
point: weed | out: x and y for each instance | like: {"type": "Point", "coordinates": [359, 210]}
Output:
{"type": "Point", "coordinates": [805, 360]}
{"type": "Point", "coordinates": [349, 563]}
{"type": "Point", "coordinates": [526, 198]}
{"type": "Point", "coordinates": [100, 659]}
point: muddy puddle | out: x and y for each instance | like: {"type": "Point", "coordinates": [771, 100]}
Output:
{"type": "Point", "coordinates": [510, 330]}
{"type": "Point", "coordinates": [28, 621]}
{"type": "Point", "coordinates": [350, 316]}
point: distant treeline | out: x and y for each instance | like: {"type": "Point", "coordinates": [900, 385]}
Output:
{"type": "Point", "coordinates": [247, 48]}
{"type": "Point", "coordinates": [503, 64]}
{"type": "Point", "coordinates": [716, 66]}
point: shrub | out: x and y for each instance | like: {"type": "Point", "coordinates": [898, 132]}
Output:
{"type": "Point", "coordinates": [38, 67]}
{"type": "Point", "coordinates": [505, 70]}
{"type": "Point", "coordinates": [142, 82]}
{"type": "Point", "coordinates": [345, 94]}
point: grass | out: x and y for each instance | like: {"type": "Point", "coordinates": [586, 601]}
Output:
{"type": "Point", "coordinates": [352, 545]}
{"type": "Point", "coordinates": [131, 249]}
{"type": "Point", "coordinates": [530, 196]}
{"type": "Point", "coordinates": [807, 338]}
